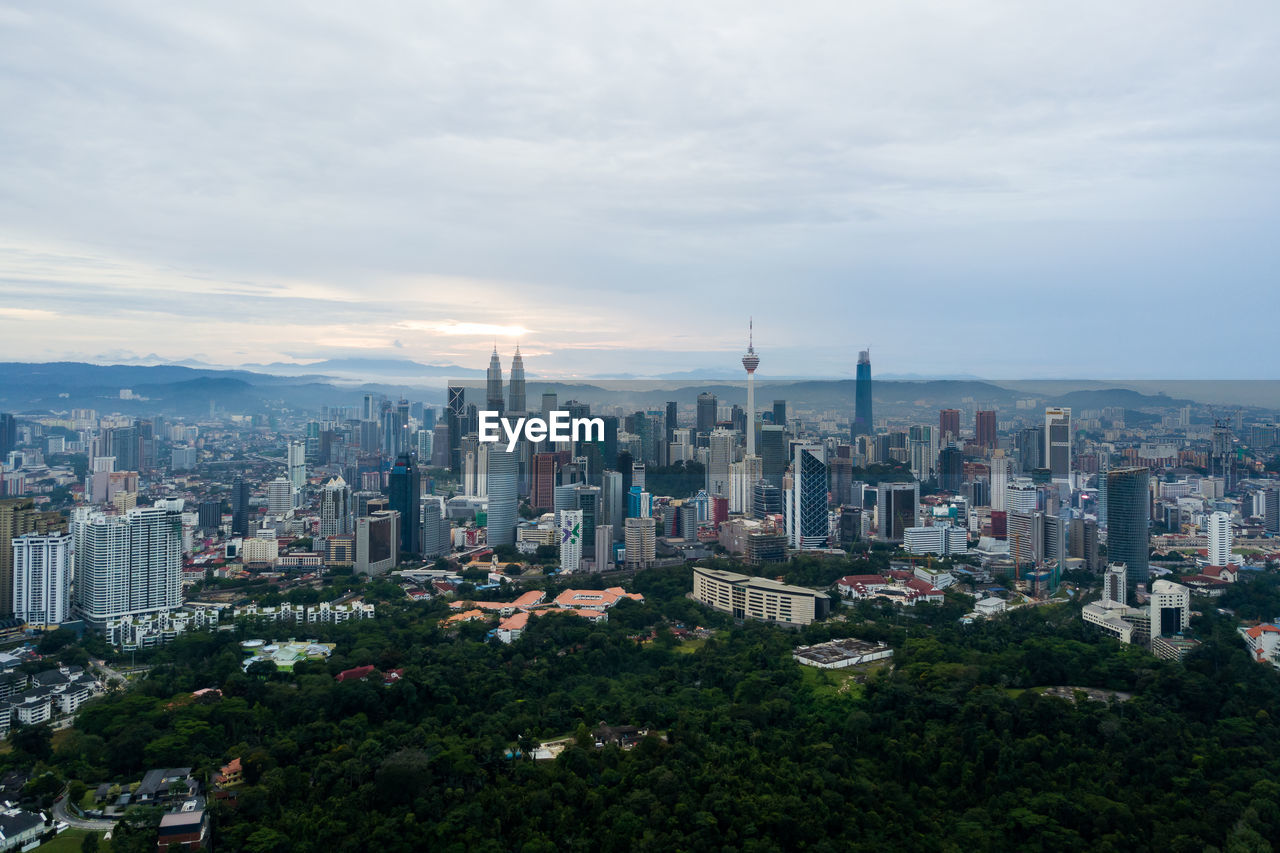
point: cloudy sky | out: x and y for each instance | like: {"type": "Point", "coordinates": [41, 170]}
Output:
{"type": "Point", "coordinates": [996, 189]}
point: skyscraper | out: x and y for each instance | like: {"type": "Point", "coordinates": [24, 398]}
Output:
{"type": "Point", "coordinates": [297, 464]}
{"type": "Point", "coordinates": [571, 534]}
{"type": "Point", "coordinates": [985, 429]}
{"type": "Point", "coordinates": [1057, 443]}
{"type": "Point", "coordinates": [493, 384]}
{"type": "Point", "coordinates": [1219, 539]}
{"type": "Point", "coordinates": [807, 500]}
{"type": "Point", "coordinates": [239, 507]}
{"type": "Point", "coordinates": [503, 474]}
{"type": "Point", "coordinates": [435, 528]}
{"type": "Point", "coordinates": [126, 565]}
{"type": "Point", "coordinates": [8, 434]}
{"type": "Point", "coordinates": [455, 416]}
{"type": "Point", "coordinates": [404, 491]}
{"type": "Point", "coordinates": [750, 361]}
{"type": "Point", "coordinates": [896, 506]}
{"type": "Point", "coordinates": [335, 508]}
{"type": "Point", "coordinates": [42, 579]}
{"type": "Point", "coordinates": [719, 458]}
{"type": "Point", "coordinates": [706, 412]}
{"type": "Point", "coordinates": [1128, 522]}
{"type": "Point", "coordinates": [516, 389]}
{"type": "Point", "coordinates": [640, 543]}
{"type": "Point", "coordinates": [280, 496]}
{"type": "Point", "coordinates": [780, 413]}
{"type": "Point", "coordinates": [862, 423]}
{"type": "Point", "coordinates": [18, 517]}
{"type": "Point", "coordinates": [949, 425]}
{"type": "Point", "coordinates": [773, 454]}
{"type": "Point", "coordinates": [671, 423]}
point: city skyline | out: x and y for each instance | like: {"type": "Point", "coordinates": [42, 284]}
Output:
{"type": "Point", "coordinates": [217, 198]}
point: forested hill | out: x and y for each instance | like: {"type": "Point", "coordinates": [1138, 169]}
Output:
{"type": "Point", "coordinates": [949, 752]}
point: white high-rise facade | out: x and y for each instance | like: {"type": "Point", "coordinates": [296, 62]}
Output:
{"type": "Point", "coordinates": [570, 540]}
{"type": "Point", "coordinates": [335, 508]}
{"type": "Point", "coordinates": [42, 579]}
{"type": "Point", "coordinates": [1020, 495]}
{"type": "Point", "coordinates": [1219, 539]}
{"type": "Point", "coordinates": [126, 565]}
{"type": "Point", "coordinates": [640, 542]}
{"type": "Point", "coordinates": [719, 458]}
{"type": "Point", "coordinates": [999, 481]}
{"type": "Point", "coordinates": [297, 464]}
{"type": "Point", "coordinates": [280, 496]}
{"type": "Point", "coordinates": [743, 476]}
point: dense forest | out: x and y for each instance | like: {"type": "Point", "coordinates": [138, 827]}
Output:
{"type": "Point", "coordinates": [950, 750]}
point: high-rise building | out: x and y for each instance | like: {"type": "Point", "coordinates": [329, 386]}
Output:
{"type": "Point", "coordinates": [613, 502]}
{"type": "Point", "coordinates": [335, 508]}
{"type": "Point", "coordinates": [210, 515]}
{"type": "Point", "coordinates": [640, 541]}
{"type": "Point", "coordinates": [516, 389]}
{"type": "Point", "coordinates": [297, 465]}
{"type": "Point", "coordinates": [750, 361]}
{"type": "Point", "coordinates": [766, 500]}
{"type": "Point", "coordinates": [922, 451]}
{"type": "Point", "coordinates": [239, 507]}
{"type": "Point", "coordinates": [1057, 443]}
{"type": "Point", "coordinates": [8, 434]}
{"type": "Point", "coordinates": [862, 423]}
{"type": "Point", "coordinates": [1020, 495]}
{"type": "Point", "coordinates": [1170, 607]}
{"type": "Point", "coordinates": [604, 560]}
{"type": "Point", "coordinates": [637, 474]}
{"type": "Point", "coordinates": [780, 413]}
{"type": "Point", "coordinates": [18, 517]}
{"type": "Point", "coordinates": [435, 528]}
{"type": "Point", "coordinates": [504, 499]}
{"type": "Point", "coordinates": [950, 470]}
{"type": "Point", "coordinates": [42, 579]}
{"type": "Point", "coordinates": [639, 503]}
{"type": "Point", "coordinates": [706, 412]}
{"type": "Point", "coordinates": [985, 429]}
{"type": "Point", "coordinates": [455, 418]}
{"type": "Point", "coordinates": [949, 425]}
{"type": "Point", "coordinates": [1082, 542]}
{"type": "Point", "coordinates": [806, 501]}
{"type": "Point", "coordinates": [571, 535]}
{"type": "Point", "coordinates": [544, 480]}
{"type": "Point", "coordinates": [773, 454]}
{"type": "Point", "coordinates": [126, 565]}
{"type": "Point", "coordinates": [493, 384]}
{"type": "Point", "coordinates": [719, 458]}
{"type": "Point", "coordinates": [1129, 521]}
{"type": "Point", "coordinates": [404, 493]}
{"type": "Point", "coordinates": [1219, 539]}
{"type": "Point", "coordinates": [672, 421]}
{"type": "Point", "coordinates": [999, 467]}
{"type": "Point", "coordinates": [1114, 583]}
{"type": "Point", "coordinates": [377, 538]}
{"type": "Point", "coordinates": [280, 496]}
{"type": "Point", "coordinates": [896, 508]}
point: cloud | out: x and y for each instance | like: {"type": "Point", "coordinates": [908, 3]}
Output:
{"type": "Point", "coordinates": [996, 188]}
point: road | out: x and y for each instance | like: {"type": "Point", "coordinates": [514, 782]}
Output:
{"type": "Point", "coordinates": [60, 812]}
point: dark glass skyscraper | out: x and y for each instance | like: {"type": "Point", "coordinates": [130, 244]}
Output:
{"type": "Point", "coordinates": [1128, 522]}
{"type": "Point", "coordinates": [404, 493]}
{"type": "Point", "coordinates": [515, 390]}
{"type": "Point", "coordinates": [706, 411]}
{"type": "Point", "coordinates": [780, 412]}
{"type": "Point", "coordinates": [493, 384]}
{"type": "Point", "coordinates": [239, 507]}
{"type": "Point", "coordinates": [862, 423]}
{"type": "Point", "coordinates": [455, 413]}
{"type": "Point", "coordinates": [671, 421]}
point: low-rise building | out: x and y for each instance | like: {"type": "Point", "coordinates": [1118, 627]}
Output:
{"type": "Point", "coordinates": [838, 654]}
{"type": "Point", "coordinates": [747, 597]}
{"type": "Point", "coordinates": [900, 587]}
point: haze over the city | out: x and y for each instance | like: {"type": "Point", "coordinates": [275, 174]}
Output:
{"type": "Point", "coordinates": [985, 189]}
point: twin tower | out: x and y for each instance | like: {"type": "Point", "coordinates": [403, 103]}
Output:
{"type": "Point", "coordinates": [493, 395]}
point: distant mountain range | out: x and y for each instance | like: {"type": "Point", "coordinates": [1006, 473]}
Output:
{"type": "Point", "coordinates": [189, 390]}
